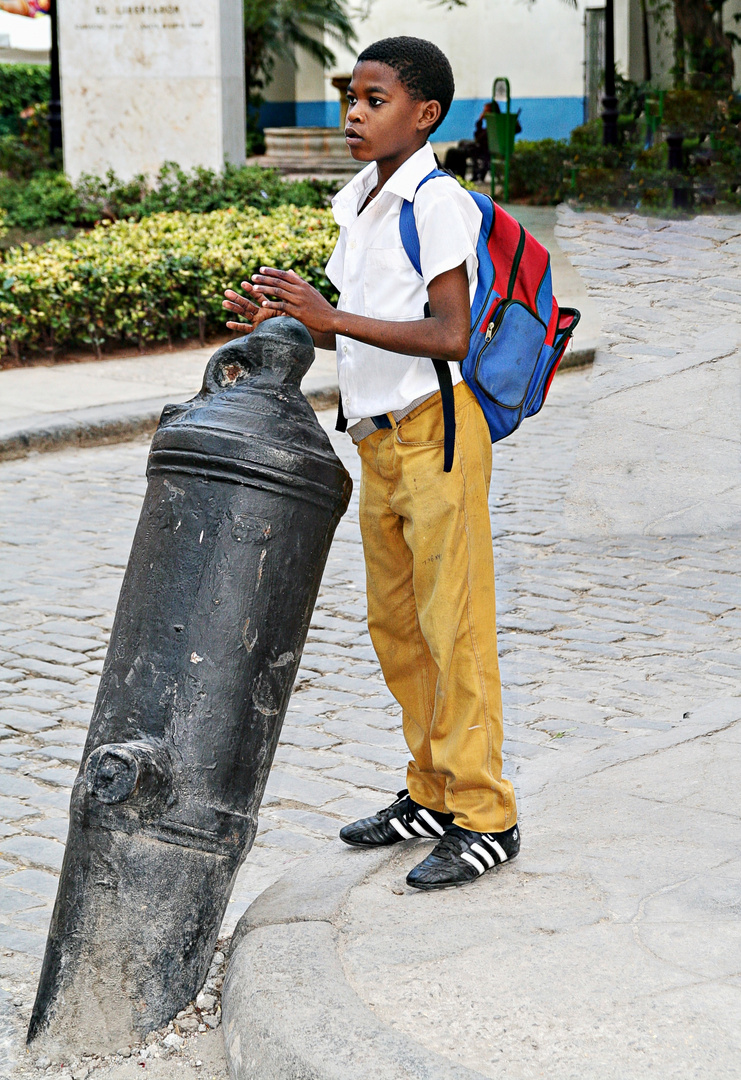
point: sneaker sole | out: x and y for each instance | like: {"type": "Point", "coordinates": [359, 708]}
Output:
{"type": "Point", "coordinates": [385, 843]}
{"type": "Point", "coordinates": [437, 886]}
{"type": "Point", "coordinates": [442, 885]}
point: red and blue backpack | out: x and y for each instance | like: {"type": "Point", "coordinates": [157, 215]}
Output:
{"type": "Point", "coordinates": [518, 332]}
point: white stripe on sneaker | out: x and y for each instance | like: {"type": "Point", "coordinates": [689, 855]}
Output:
{"type": "Point", "coordinates": [427, 816]}
{"type": "Point", "coordinates": [403, 833]}
{"type": "Point", "coordinates": [496, 846]}
{"type": "Point", "coordinates": [481, 850]}
{"type": "Point", "coordinates": [419, 828]}
{"type": "Point", "coordinates": [473, 861]}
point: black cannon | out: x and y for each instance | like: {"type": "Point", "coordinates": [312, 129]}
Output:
{"type": "Point", "coordinates": [243, 498]}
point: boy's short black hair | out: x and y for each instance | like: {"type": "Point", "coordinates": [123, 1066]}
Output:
{"type": "Point", "coordinates": [422, 69]}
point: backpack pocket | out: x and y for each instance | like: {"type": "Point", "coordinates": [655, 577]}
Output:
{"type": "Point", "coordinates": [508, 359]}
{"type": "Point", "coordinates": [550, 359]}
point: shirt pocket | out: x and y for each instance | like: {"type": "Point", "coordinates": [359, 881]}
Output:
{"type": "Point", "coordinates": [392, 290]}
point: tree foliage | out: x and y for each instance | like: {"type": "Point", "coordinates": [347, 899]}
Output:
{"type": "Point", "coordinates": [707, 48]}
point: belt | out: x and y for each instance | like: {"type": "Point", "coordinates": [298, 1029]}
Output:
{"type": "Point", "coordinates": [369, 424]}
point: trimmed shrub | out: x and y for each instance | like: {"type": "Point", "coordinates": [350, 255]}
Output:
{"type": "Point", "coordinates": [42, 199]}
{"type": "Point", "coordinates": [155, 280]}
{"type": "Point", "coordinates": [49, 198]}
{"type": "Point", "coordinates": [538, 171]}
{"type": "Point", "coordinates": [27, 153]}
{"type": "Point", "coordinates": [22, 85]}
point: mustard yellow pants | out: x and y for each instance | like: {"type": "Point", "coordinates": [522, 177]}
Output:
{"type": "Point", "coordinates": [431, 614]}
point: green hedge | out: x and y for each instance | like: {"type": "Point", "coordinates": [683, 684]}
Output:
{"type": "Point", "coordinates": [159, 279]}
{"type": "Point", "coordinates": [49, 198]}
{"type": "Point", "coordinates": [538, 171]}
{"type": "Point", "coordinates": [22, 85]}
{"type": "Point", "coordinates": [635, 173]}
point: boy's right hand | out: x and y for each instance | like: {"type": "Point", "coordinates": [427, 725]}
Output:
{"type": "Point", "coordinates": [252, 313]}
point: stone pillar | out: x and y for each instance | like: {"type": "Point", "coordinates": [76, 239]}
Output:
{"type": "Point", "coordinates": [148, 81]}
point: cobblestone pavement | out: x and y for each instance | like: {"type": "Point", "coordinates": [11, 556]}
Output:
{"type": "Point", "coordinates": [666, 398]}
{"type": "Point", "coordinates": [601, 638]}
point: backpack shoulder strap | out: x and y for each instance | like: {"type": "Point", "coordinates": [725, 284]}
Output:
{"type": "Point", "coordinates": [442, 370]}
{"type": "Point", "coordinates": [408, 226]}
{"type": "Point", "coordinates": [341, 421]}
{"type": "Point", "coordinates": [410, 243]}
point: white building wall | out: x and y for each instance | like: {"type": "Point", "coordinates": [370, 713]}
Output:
{"type": "Point", "coordinates": [539, 47]}
{"type": "Point", "coordinates": [283, 82]}
{"type": "Point", "coordinates": [629, 39]}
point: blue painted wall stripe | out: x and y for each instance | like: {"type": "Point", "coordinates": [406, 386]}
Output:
{"type": "Point", "coordinates": [317, 114]}
{"type": "Point", "coordinates": [541, 118]}
{"type": "Point", "coordinates": [278, 114]}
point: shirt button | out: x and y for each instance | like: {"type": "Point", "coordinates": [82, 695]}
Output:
{"type": "Point", "coordinates": [352, 245]}
{"type": "Point", "coordinates": [344, 348]}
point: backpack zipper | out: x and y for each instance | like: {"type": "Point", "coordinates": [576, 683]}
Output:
{"type": "Point", "coordinates": [493, 326]}
{"type": "Point", "coordinates": [475, 322]}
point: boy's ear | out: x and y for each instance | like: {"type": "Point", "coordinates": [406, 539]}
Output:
{"type": "Point", "coordinates": [429, 114]}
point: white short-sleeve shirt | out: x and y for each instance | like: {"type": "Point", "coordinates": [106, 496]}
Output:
{"type": "Point", "coordinates": [375, 278]}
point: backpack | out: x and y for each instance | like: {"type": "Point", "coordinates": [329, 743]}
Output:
{"type": "Point", "coordinates": [518, 332]}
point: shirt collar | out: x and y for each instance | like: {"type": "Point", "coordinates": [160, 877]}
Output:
{"type": "Point", "coordinates": [407, 177]}
{"type": "Point", "coordinates": [403, 183]}
{"type": "Point", "coordinates": [347, 200]}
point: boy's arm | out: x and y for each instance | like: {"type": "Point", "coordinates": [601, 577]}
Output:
{"type": "Point", "coordinates": [443, 336]}
{"type": "Point", "coordinates": [255, 313]}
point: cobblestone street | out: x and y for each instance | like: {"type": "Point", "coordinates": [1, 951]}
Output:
{"type": "Point", "coordinates": [605, 634]}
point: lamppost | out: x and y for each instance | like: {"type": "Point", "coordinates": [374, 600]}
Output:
{"type": "Point", "coordinates": [55, 102]}
{"type": "Point", "coordinates": [609, 101]}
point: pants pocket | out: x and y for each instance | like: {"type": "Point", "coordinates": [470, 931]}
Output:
{"type": "Point", "coordinates": [427, 427]}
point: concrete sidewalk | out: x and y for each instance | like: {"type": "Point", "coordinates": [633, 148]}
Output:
{"type": "Point", "coordinates": [609, 948]}
{"type": "Point", "coordinates": [99, 401]}
{"type": "Point", "coordinates": [50, 406]}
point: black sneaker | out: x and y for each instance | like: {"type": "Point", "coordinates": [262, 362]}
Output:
{"type": "Point", "coordinates": [462, 855]}
{"type": "Point", "coordinates": [403, 820]}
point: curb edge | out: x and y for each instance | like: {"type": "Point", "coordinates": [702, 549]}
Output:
{"type": "Point", "coordinates": [103, 424]}
{"type": "Point", "coordinates": [289, 1013]}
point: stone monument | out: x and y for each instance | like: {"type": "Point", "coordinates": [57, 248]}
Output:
{"type": "Point", "coordinates": [149, 82]}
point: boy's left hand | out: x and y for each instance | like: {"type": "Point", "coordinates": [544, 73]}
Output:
{"type": "Point", "coordinates": [294, 296]}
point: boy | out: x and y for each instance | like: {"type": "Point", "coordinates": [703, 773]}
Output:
{"type": "Point", "coordinates": [426, 533]}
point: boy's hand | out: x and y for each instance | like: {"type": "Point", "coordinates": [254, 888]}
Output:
{"type": "Point", "coordinates": [250, 310]}
{"type": "Point", "coordinates": [294, 296]}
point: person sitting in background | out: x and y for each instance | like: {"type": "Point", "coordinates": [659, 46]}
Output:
{"type": "Point", "coordinates": [481, 155]}
{"type": "Point", "coordinates": [475, 150]}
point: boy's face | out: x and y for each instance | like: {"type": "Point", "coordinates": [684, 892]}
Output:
{"type": "Point", "coordinates": [383, 120]}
